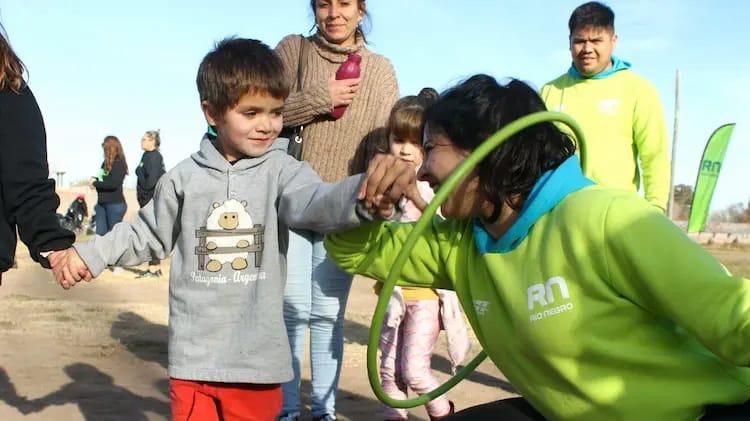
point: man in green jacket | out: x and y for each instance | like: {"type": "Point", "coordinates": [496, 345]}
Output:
{"type": "Point", "coordinates": [619, 111]}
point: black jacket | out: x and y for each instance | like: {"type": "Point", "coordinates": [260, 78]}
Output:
{"type": "Point", "coordinates": [109, 189]}
{"type": "Point", "coordinates": [27, 195]}
{"type": "Point", "coordinates": [149, 171]}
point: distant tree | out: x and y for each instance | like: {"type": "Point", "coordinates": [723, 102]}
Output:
{"type": "Point", "coordinates": [735, 213]}
{"type": "Point", "coordinates": [683, 198]}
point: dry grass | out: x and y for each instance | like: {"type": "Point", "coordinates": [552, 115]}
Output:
{"type": "Point", "coordinates": [736, 259]}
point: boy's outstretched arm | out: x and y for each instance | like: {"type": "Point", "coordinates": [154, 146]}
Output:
{"type": "Point", "coordinates": [154, 232]}
{"type": "Point", "coordinates": [306, 202]}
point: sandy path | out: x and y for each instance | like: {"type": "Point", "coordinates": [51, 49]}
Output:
{"type": "Point", "coordinates": [98, 352]}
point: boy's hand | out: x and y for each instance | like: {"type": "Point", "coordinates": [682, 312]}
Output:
{"type": "Point", "coordinates": [388, 179]}
{"type": "Point", "coordinates": [68, 267]}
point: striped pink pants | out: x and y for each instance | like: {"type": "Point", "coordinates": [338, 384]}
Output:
{"type": "Point", "coordinates": [406, 353]}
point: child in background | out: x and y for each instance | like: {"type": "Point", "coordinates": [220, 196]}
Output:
{"type": "Point", "coordinates": [222, 211]}
{"type": "Point", "coordinates": [415, 315]}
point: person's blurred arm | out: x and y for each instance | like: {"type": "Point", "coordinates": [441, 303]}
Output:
{"type": "Point", "coordinates": [28, 195]}
{"type": "Point", "coordinates": [651, 140]}
{"type": "Point", "coordinates": [652, 263]}
{"type": "Point", "coordinates": [372, 248]}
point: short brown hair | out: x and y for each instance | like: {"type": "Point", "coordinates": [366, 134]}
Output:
{"type": "Point", "coordinates": [237, 67]}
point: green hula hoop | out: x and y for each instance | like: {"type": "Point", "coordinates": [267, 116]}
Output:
{"type": "Point", "coordinates": [458, 175]}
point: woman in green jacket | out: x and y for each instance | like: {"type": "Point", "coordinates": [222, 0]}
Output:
{"type": "Point", "coordinates": [592, 303]}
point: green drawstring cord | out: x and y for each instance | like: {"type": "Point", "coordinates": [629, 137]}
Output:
{"type": "Point", "coordinates": [459, 174]}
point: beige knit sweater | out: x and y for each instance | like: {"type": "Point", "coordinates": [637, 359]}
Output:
{"type": "Point", "coordinates": [329, 145]}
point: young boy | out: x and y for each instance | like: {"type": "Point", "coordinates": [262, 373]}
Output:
{"type": "Point", "coordinates": [224, 213]}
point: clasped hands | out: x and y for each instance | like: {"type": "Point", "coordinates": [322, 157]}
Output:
{"type": "Point", "coordinates": [68, 267]}
{"type": "Point", "coordinates": [387, 181]}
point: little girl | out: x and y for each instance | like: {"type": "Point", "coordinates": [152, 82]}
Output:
{"type": "Point", "coordinates": [415, 315]}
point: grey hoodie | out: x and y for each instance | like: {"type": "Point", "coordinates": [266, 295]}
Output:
{"type": "Point", "coordinates": [227, 225]}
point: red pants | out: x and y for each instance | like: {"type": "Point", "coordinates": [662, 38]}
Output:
{"type": "Point", "coordinates": [212, 401]}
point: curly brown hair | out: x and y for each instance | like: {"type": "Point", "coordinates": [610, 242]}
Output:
{"type": "Point", "coordinates": [11, 67]}
{"type": "Point", "coordinates": [112, 152]}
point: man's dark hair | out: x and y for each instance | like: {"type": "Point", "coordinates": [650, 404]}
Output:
{"type": "Point", "coordinates": [592, 14]}
{"type": "Point", "coordinates": [236, 67]}
{"type": "Point", "coordinates": [473, 110]}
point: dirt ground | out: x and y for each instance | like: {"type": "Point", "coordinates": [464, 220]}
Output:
{"type": "Point", "coordinates": [98, 352]}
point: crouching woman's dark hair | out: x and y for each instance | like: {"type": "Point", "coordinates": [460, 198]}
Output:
{"type": "Point", "coordinates": [475, 109]}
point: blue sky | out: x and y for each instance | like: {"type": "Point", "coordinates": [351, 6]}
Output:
{"type": "Point", "coordinates": [103, 67]}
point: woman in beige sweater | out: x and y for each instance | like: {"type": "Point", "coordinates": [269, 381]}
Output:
{"type": "Point", "coordinates": [317, 290]}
